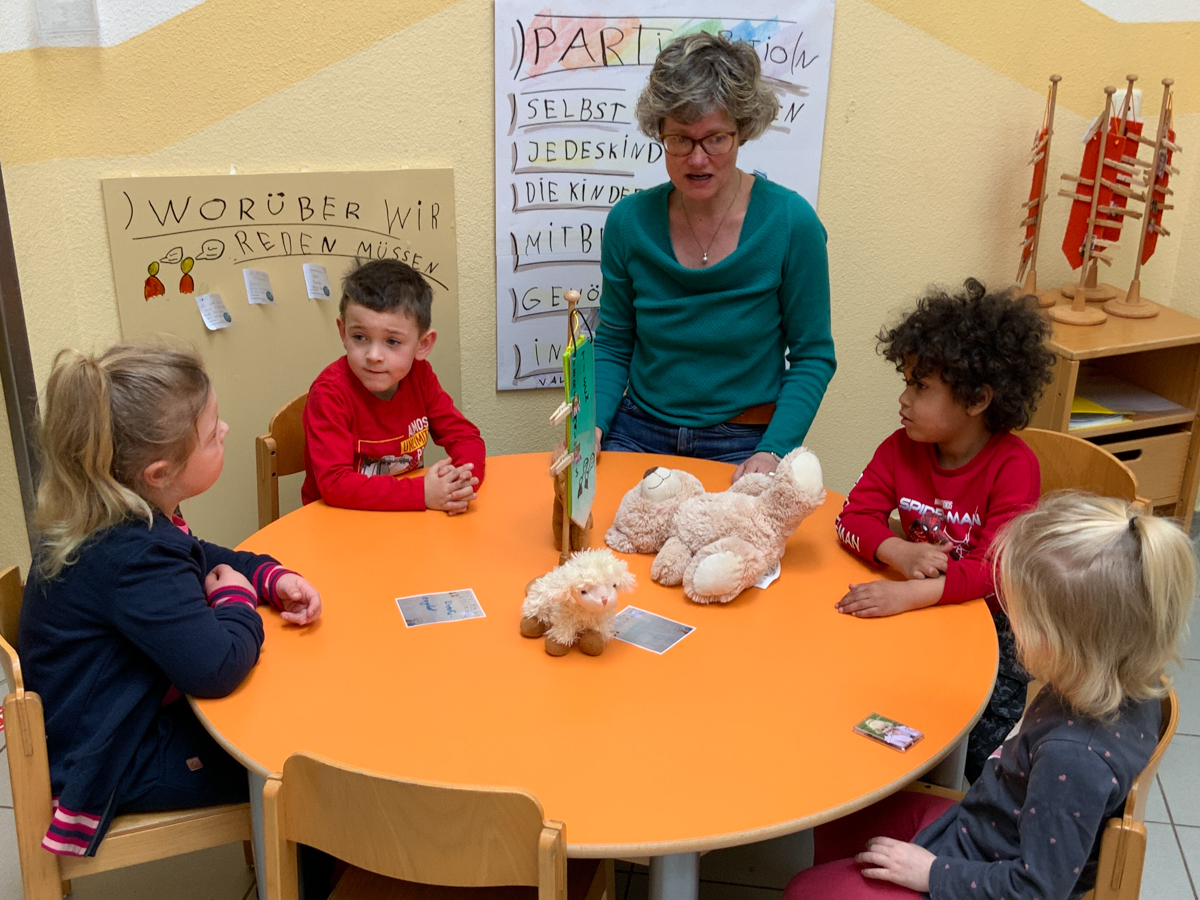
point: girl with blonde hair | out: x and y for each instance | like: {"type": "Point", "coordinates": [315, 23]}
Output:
{"type": "Point", "coordinates": [1099, 600]}
{"type": "Point", "coordinates": [126, 610]}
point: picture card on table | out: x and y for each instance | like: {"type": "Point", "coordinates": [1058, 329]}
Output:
{"type": "Point", "coordinates": [258, 287]}
{"type": "Point", "coordinates": [445, 606]}
{"type": "Point", "coordinates": [316, 279]}
{"type": "Point", "coordinates": [213, 312]}
{"type": "Point", "coordinates": [888, 731]}
{"type": "Point", "coordinates": [648, 630]}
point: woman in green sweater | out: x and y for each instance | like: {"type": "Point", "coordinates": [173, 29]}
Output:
{"type": "Point", "coordinates": [711, 280]}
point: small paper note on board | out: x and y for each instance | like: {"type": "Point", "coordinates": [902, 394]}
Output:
{"type": "Point", "coordinates": [316, 279]}
{"type": "Point", "coordinates": [258, 287]}
{"type": "Point", "coordinates": [213, 311]}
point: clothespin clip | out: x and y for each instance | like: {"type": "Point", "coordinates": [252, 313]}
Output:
{"type": "Point", "coordinates": [562, 462]}
{"type": "Point", "coordinates": [560, 415]}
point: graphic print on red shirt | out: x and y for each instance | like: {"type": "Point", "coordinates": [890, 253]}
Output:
{"type": "Point", "coordinates": [393, 456]}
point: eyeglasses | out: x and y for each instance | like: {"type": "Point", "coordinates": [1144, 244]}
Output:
{"type": "Point", "coordinates": [716, 144]}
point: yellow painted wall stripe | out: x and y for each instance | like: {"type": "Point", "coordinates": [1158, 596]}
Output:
{"type": "Point", "coordinates": [1028, 40]}
{"type": "Point", "coordinates": [184, 74]}
{"type": "Point", "coordinates": [224, 55]}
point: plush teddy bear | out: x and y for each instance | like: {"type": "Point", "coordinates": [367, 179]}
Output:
{"type": "Point", "coordinates": [576, 602]}
{"type": "Point", "coordinates": [717, 545]}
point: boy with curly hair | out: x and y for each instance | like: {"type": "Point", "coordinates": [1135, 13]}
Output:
{"type": "Point", "coordinates": [974, 365]}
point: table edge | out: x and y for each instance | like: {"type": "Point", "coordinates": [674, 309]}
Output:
{"type": "Point", "coordinates": [694, 845]}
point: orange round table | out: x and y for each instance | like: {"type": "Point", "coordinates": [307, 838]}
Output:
{"type": "Point", "coordinates": [738, 733]}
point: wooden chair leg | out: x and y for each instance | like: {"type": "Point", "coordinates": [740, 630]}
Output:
{"type": "Point", "coordinates": [66, 887]}
{"type": "Point", "coordinates": [248, 852]}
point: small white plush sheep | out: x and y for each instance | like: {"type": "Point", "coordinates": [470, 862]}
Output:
{"type": "Point", "coordinates": [576, 602]}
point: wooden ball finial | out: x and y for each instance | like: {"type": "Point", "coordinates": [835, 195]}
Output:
{"type": "Point", "coordinates": [1131, 78]}
{"type": "Point", "coordinates": [1167, 82]}
{"type": "Point", "coordinates": [571, 296]}
{"type": "Point", "coordinates": [1109, 89]}
{"type": "Point", "coordinates": [1056, 78]}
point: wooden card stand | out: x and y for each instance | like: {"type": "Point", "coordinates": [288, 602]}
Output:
{"type": "Point", "coordinates": [1078, 313]}
{"type": "Point", "coordinates": [1132, 306]}
{"type": "Point", "coordinates": [1093, 292]}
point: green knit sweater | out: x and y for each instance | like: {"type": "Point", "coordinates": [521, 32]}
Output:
{"type": "Point", "coordinates": [696, 347]}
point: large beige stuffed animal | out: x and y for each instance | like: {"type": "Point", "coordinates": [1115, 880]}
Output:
{"type": "Point", "coordinates": [717, 545]}
{"type": "Point", "coordinates": [576, 602]}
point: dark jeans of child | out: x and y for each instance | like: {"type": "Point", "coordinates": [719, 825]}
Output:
{"type": "Point", "coordinates": [180, 766]}
{"type": "Point", "coordinates": [1006, 705]}
{"type": "Point", "coordinates": [636, 431]}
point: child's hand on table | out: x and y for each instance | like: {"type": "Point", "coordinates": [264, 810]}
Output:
{"type": "Point", "coordinates": [887, 598]}
{"type": "Point", "coordinates": [300, 601]}
{"type": "Point", "coordinates": [449, 487]}
{"type": "Point", "coordinates": [899, 862]}
{"type": "Point", "coordinates": [913, 560]}
{"type": "Point", "coordinates": [224, 576]}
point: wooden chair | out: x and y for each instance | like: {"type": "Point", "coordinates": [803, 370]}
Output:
{"type": "Point", "coordinates": [1123, 841]}
{"type": "Point", "coordinates": [406, 839]}
{"type": "Point", "coordinates": [279, 452]}
{"type": "Point", "coordinates": [1070, 462]}
{"type": "Point", "coordinates": [130, 839]}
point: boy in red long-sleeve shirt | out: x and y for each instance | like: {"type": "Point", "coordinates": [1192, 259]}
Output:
{"type": "Point", "coordinates": [370, 414]}
{"type": "Point", "coordinates": [974, 365]}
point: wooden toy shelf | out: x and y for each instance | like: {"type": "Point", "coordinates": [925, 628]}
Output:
{"type": "Point", "coordinates": [1160, 355]}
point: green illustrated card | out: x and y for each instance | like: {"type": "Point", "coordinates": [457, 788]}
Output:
{"type": "Point", "coordinates": [579, 370]}
{"type": "Point", "coordinates": [888, 731]}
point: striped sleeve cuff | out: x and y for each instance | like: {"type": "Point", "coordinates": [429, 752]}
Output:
{"type": "Point", "coordinates": [231, 594]}
{"type": "Point", "coordinates": [265, 579]}
{"type": "Point", "coordinates": [70, 833]}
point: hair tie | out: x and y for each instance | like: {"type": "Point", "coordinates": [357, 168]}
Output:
{"type": "Point", "coordinates": [1133, 525]}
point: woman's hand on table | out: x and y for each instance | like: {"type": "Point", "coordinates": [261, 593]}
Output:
{"type": "Point", "coordinates": [887, 598]}
{"type": "Point", "coordinates": [450, 488]}
{"type": "Point", "coordinates": [300, 601]}
{"type": "Point", "coordinates": [913, 560]}
{"type": "Point", "coordinates": [762, 462]}
{"type": "Point", "coordinates": [899, 862]}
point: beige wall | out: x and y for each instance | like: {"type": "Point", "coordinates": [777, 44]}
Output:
{"type": "Point", "coordinates": [932, 106]}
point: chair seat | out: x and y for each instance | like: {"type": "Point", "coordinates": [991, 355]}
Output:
{"type": "Point", "coordinates": [140, 837]}
{"type": "Point", "coordinates": [359, 884]}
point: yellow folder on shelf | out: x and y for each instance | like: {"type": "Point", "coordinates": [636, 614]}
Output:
{"type": "Point", "coordinates": [1086, 407]}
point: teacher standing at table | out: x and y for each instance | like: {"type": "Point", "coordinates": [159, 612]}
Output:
{"type": "Point", "coordinates": [712, 279]}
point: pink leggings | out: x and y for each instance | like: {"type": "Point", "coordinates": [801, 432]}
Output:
{"type": "Point", "coordinates": [835, 874]}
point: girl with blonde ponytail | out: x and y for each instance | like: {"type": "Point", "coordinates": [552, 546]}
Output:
{"type": "Point", "coordinates": [1099, 599]}
{"type": "Point", "coordinates": [126, 610]}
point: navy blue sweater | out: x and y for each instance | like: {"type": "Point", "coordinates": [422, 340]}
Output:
{"type": "Point", "coordinates": [1030, 826]}
{"type": "Point", "coordinates": [104, 642]}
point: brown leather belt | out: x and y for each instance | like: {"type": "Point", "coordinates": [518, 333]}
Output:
{"type": "Point", "coordinates": [755, 415]}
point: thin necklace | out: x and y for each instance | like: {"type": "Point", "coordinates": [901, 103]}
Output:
{"type": "Point", "coordinates": [688, 219]}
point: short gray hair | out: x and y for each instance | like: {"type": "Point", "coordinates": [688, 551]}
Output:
{"type": "Point", "coordinates": [701, 73]}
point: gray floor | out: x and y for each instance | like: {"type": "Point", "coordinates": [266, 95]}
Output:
{"type": "Point", "coordinates": [754, 872]}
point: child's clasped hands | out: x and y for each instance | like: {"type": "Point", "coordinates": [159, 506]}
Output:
{"type": "Point", "coordinates": [449, 487]}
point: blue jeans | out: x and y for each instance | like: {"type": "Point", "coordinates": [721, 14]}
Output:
{"type": "Point", "coordinates": [636, 431]}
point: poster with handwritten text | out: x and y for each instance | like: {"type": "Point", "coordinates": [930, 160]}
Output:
{"type": "Point", "coordinates": [568, 77]}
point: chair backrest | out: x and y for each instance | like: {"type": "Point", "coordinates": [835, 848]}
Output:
{"type": "Point", "coordinates": [11, 595]}
{"type": "Point", "coordinates": [1123, 842]}
{"type": "Point", "coordinates": [28, 761]}
{"type": "Point", "coordinates": [1070, 462]}
{"type": "Point", "coordinates": [279, 452]}
{"type": "Point", "coordinates": [427, 833]}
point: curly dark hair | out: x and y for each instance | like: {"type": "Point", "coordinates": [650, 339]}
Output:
{"type": "Point", "coordinates": [975, 339]}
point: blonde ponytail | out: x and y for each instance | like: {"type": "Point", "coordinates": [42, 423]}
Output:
{"type": "Point", "coordinates": [104, 420]}
{"type": "Point", "coordinates": [1099, 598]}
